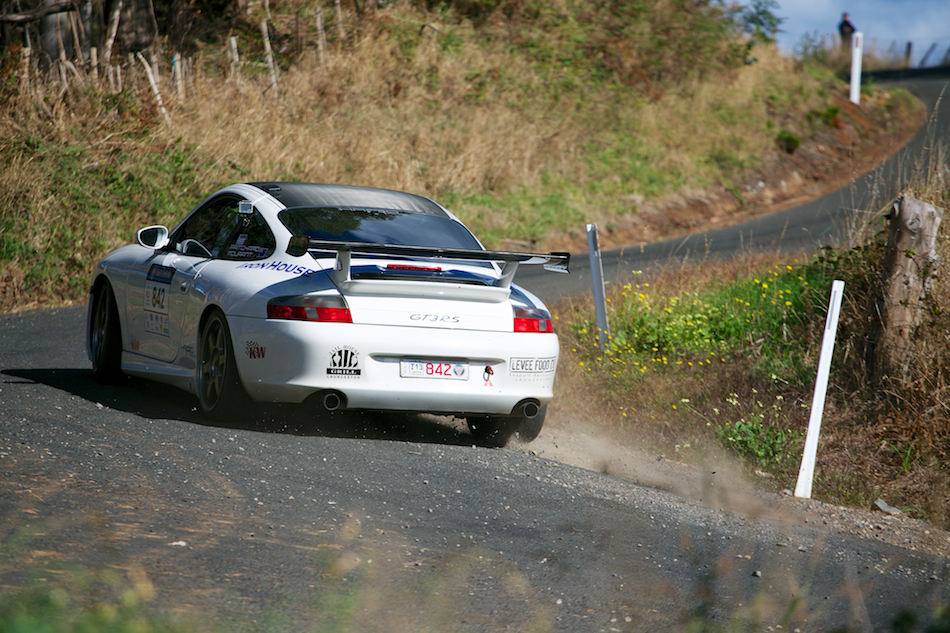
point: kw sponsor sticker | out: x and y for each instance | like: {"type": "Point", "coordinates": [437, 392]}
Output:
{"type": "Point", "coordinates": [532, 365]}
{"type": "Point", "coordinates": [255, 351]}
{"type": "Point", "coordinates": [157, 284]}
{"type": "Point", "coordinates": [344, 362]}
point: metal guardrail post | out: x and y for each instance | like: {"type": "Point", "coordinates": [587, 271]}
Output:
{"type": "Point", "coordinates": [857, 51]}
{"type": "Point", "coordinates": [597, 278]}
{"type": "Point", "coordinates": [806, 472]}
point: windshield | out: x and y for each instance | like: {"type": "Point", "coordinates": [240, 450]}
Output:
{"type": "Point", "coordinates": [378, 226]}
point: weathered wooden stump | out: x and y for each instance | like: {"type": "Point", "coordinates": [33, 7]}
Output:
{"type": "Point", "coordinates": [910, 262]}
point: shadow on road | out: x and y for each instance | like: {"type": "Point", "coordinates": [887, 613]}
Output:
{"type": "Point", "coordinates": [156, 401]}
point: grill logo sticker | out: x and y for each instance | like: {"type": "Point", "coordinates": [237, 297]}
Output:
{"type": "Point", "coordinates": [255, 351]}
{"type": "Point", "coordinates": [344, 361]}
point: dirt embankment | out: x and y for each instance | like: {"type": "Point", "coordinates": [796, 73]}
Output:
{"type": "Point", "coordinates": [854, 141]}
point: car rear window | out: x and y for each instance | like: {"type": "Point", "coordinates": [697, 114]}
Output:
{"type": "Point", "coordinates": [378, 226]}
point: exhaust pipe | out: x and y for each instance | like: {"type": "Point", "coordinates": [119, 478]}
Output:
{"type": "Point", "coordinates": [527, 409]}
{"type": "Point", "coordinates": [330, 400]}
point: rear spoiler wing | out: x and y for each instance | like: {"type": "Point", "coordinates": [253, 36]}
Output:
{"type": "Point", "coordinates": [557, 262]}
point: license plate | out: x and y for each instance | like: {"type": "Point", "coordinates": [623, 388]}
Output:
{"type": "Point", "coordinates": [433, 369]}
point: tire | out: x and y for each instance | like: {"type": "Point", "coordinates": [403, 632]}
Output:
{"type": "Point", "coordinates": [220, 392]}
{"type": "Point", "coordinates": [492, 430]}
{"type": "Point", "coordinates": [105, 337]}
{"type": "Point", "coordinates": [531, 427]}
{"type": "Point", "coordinates": [498, 430]}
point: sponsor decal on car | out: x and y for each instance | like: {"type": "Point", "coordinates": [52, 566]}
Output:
{"type": "Point", "coordinates": [254, 350]}
{"type": "Point", "coordinates": [345, 362]}
{"type": "Point", "coordinates": [134, 344]}
{"type": "Point", "coordinates": [188, 350]}
{"type": "Point", "coordinates": [532, 365]}
{"type": "Point", "coordinates": [157, 284]}
{"type": "Point", "coordinates": [244, 251]}
{"type": "Point", "coordinates": [280, 267]}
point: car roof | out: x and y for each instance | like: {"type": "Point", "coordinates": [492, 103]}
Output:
{"type": "Point", "coordinates": [306, 194]}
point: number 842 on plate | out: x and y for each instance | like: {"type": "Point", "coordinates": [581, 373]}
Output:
{"type": "Point", "coordinates": [445, 370]}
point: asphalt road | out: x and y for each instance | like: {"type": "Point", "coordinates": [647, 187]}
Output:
{"type": "Point", "coordinates": [284, 522]}
{"type": "Point", "coordinates": [394, 523]}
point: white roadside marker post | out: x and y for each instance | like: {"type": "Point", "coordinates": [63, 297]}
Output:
{"type": "Point", "coordinates": [806, 473]}
{"type": "Point", "coordinates": [857, 45]}
{"type": "Point", "coordinates": [597, 278]}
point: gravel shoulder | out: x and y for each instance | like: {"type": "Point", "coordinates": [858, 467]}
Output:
{"type": "Point", "coordinates": [723, 485]}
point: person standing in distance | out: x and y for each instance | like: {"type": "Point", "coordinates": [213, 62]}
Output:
{"type": "Point", "coordinates": [846, 29]}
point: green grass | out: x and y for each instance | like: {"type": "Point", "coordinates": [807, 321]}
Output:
{"type": "Point", "coordinates": [75, 608]}
{"type": "Point", "coordinates": [767, 312]}
{"type": "Point", "coordinates": [91, 201]}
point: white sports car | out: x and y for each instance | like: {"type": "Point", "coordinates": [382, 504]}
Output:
{"type": "Point", "coordinates": [334, 296]}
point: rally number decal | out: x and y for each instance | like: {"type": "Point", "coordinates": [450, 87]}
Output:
{"type": "Point", "coordinates": [157, 284]}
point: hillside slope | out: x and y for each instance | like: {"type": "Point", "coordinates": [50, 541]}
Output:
{"type": "Point", "coordinates": [527, 120]}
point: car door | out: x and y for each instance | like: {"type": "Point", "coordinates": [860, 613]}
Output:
{"type": "Point", "coordinates": [167, 277]}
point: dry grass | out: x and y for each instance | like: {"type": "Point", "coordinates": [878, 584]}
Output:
{"type": "Point", "coordinates": [471, 120]}
{"type": "Point", "coordinates": [523, 145]}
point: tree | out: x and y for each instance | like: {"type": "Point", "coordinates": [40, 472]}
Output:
{"type": "Point", "coordinates": [758, 19]}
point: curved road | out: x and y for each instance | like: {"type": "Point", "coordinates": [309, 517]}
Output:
{"type": "Point", "coordinates": [825, 221]}
{"type": "Point", "coordinates": [391, 523]}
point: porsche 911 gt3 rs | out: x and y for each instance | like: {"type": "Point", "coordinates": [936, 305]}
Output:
{"type": "Point", "coordinates": [335, 296]}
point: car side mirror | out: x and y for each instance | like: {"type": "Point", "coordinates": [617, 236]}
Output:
{"type": "Point", "coordinates": [154, 237]}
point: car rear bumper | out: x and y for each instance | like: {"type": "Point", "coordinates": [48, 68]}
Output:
{"type": "Point", "coordinates": [288, 361]}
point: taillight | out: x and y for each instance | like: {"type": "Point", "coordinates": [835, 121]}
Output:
{"type": "Point", "coordinates": [532, 320]}
{"type": "Point", "coordinates": [332, 309]}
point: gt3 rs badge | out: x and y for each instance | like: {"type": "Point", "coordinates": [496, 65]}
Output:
{"type": "Point", "coordinates": [344, 362]}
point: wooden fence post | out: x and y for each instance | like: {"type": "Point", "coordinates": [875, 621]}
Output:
{"type": "Point", "coordinates": [113, 29]}
{"type": "Point", "coordinates": [270, 57]}
{"type": "Point", "coordinates": [177, 71]}
{"type": "Point", "coordinates": [154, 84]}
{"type": "Point", "coordinates": [339, 22]}
{"type": "Point", "coordinates": [75, 26]}
{"type": "Point", "coordinates": [909, 266]}
{"type": "Point", "coordinates": [235, 60]}
{"type": "Point", "coordinates": [25, 71]}
{"type": "Point", "coordinates": [321, 38]}
{"type": "Point", "coordinates": [133, 76]}
{"type": "Point", "coordinates": [155, 60]}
